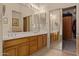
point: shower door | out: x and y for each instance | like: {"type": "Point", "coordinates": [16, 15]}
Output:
{"type": "Point", "coordinates": [56, 29]}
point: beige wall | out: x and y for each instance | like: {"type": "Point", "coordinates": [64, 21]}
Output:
{"type": "Point", "coordinates": [77, 13]}
{"type": "Point", "coordinates": [26, 11]}
{"type": "Point", "coordinates": [1, 34]}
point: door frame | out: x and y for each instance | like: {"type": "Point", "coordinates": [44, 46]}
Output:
{"type": "Point", "coordinates": [76, 23]}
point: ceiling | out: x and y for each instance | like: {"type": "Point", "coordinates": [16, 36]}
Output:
{"type": "Point", "coordinates": [47, 6]}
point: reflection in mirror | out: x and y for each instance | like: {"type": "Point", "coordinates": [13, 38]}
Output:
{"type": "Point", "coordinates": [54, 19]}
{"type": "Point", "coordinates": [31, 23]}
{"type": "Point", "coordinates": [42, 21]}
{"type": "Point", "coordinates": [26, 24]}
{"type": "Point", "coordinates": [16, 21]}
{"type": "Point", "coordinates": [35, 23]}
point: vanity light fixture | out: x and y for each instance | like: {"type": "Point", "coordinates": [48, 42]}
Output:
{"type": "Point", "coordinates": [53, 16]}
{"type": "Point", "coordinates": [5, 20]}
{"type": "Point", "coordinates": [36, 7]}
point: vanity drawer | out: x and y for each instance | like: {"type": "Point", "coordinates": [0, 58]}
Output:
{"type": "Point", "coordinates": [34, 42]}
{"type": "Point", "coordinates": [13, 42]}
{"type": "Point", "coordinates": [23, 49]}
{"type": "Point", "coordinates": [11, 51]}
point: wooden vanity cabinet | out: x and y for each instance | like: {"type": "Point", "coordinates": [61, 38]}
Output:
{"type": "Point", "coordinates": [24, 46]}
{"type": "Point", "coordinates": [51, 38]}
{"type": "Point", "coordinates": [40, 41]}
{"type": "Point", "coordinates": [33, 44]}
{"type": "Point", "coordinates": [54, 37]}
{"type": "Point", "coordinates": [12, 51]}
{"type": "Point", "coordinates": [16, 47]}
{"type": "Point", "coordinates": [23, 49]}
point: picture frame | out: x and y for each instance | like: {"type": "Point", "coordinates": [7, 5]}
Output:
{"type": "Point", "coordinates": [15, 22]}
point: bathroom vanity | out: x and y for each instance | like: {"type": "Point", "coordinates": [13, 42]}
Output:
{"type": "Point", "coordinates": [24, 46]}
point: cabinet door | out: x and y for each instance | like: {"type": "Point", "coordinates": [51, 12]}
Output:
{"type": "Point", "coordinates": [44, 40]}
{"type": "Point", "coordinates": [11, 51]}
{"type": "Point", "coordinates": [23, 49]}
{"type": "Point", "coordinates": [33, 45]}
{"type": "Point", "coordinates": [33, 49]}
{"type": "Point", "coordinates": [40, 42]}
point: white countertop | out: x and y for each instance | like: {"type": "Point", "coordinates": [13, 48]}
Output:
{"type": "Point", "coordinates": [21, 34]}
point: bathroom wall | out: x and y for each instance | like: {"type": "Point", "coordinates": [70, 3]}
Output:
{"type": "Point", "coordinates": [26, 11]}
{"type": "Point", "coordinates": [77, 22]}
{"type": "Point", "coordinates": [1, 33]}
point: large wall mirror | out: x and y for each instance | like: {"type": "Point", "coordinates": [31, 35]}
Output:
{"type": "Point", "coordinates": [35, 23]}
{"type": "Point", "coordinates": [42, 21]}
{"type": "Point", "coordinates": [31, 23]}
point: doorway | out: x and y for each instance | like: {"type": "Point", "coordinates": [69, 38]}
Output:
{"type": "Point", "coordinates": [69, 29]}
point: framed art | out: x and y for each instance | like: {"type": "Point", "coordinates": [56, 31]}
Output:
{"type": "Point", "coordinates": [15, 25]}
{"type": "Point", "coordinates": [15, 22]}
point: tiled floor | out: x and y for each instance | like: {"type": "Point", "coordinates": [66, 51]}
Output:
{"type": "Point", "coordinates": [69, 45]}
{"type": "Point", "coordinates": [52, 52]}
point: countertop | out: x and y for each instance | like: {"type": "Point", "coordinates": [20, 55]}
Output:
{"type": "Point", "coordinates": [21, 34]}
